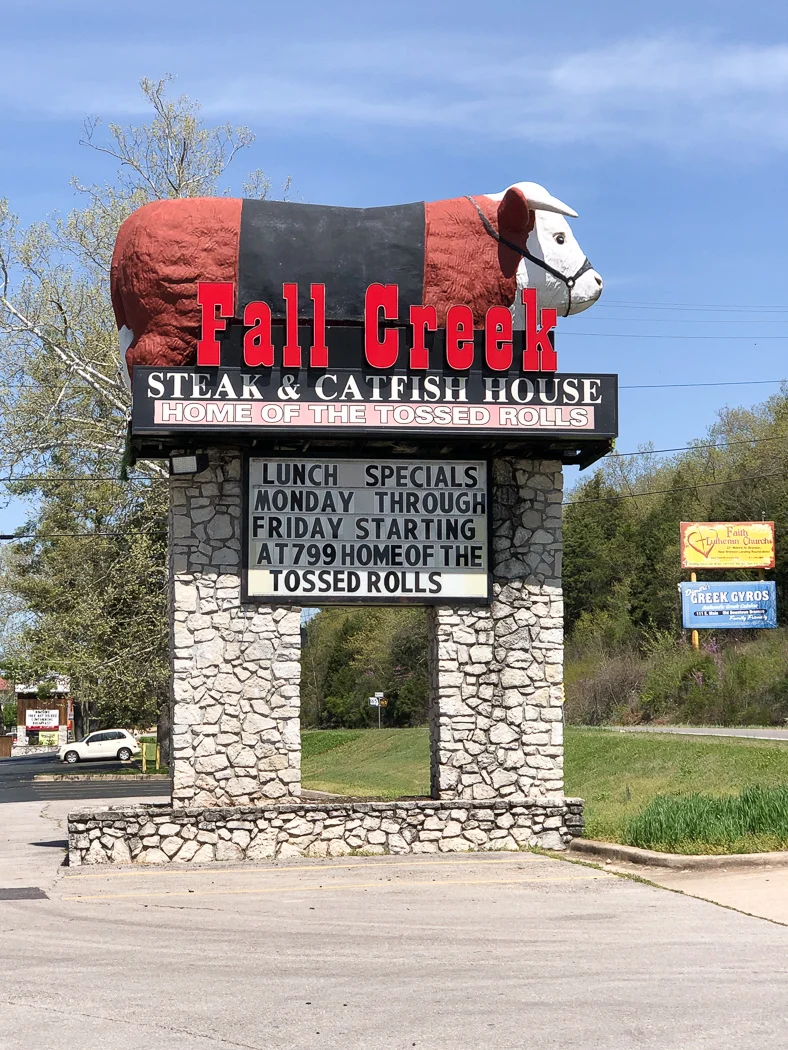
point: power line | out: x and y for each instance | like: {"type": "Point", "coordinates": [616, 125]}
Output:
{"type": "Point", "coordinates": [674, 386]}
{"type": "Point", "coordinates": [691, 448]}
{"type": "Point", "coordinates": [721, 308]}
{"type": "Point", "coordinates": [56, 481]}
{"type": "Point", "coordinates": [600, 315]}
{"type": "Point", "coordinates": [566, 503]}
{"type": "Point", "coordinates": [675, 488]}
{"type": "Point", "coordinates": [71, 535]}
{"type": "Point", "coordinates": [652, 335]}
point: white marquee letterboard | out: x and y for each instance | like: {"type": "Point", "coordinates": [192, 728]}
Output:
{"type": "Point", "coordinates": [321, 531]}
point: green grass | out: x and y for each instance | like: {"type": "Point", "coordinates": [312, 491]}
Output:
{"type": "Point", "coordinates": [756, 820]}
{"type": "Point", "coordinates": [318, 741]}
{"type": "Point", "coordinates": [618, 774]}
{"type": "Point", "coordinates": [382, 763]}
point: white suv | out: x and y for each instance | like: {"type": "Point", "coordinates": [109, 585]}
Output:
{"type": "Point", "coordinates": [106, 743]}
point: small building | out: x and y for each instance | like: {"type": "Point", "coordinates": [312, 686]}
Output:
{"type": "Point", "coordinates": [45, 712]}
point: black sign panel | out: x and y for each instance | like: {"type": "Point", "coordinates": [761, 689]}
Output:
{"type": "Point", "coordinates": [276, 401]}
{"type": "Point", "coordinates": [301, 243]}
{"type": "Point", "coordinates": [412, 531]}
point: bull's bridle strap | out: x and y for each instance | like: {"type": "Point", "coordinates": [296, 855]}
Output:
{"type": "Point", "coordinates": [568, 281]}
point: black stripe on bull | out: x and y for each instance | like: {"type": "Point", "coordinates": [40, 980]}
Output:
{"type": "Point", "coordinates": [347, 249]}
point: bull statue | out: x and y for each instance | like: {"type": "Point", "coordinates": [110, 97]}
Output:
{"type": "Point", "coordinates": [479, 251]}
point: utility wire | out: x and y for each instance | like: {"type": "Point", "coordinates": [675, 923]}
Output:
{"type": "Point", "coordinates": [646, 452]}
{"type": "Point", "coordinates": [720, 308]}
{"type": "Point", "coordinates": [600, 315]}
{"type": "Point", "coordinates": [675, 488]}
{"type": "Point", "coordinates": [672, 335]}
{"type": "Point", "coordinates": [44, 479]}
{"type": "Point", "coordinates": [691, 448]}
{"type": "Point", "coordinates": [566, 503]}
{"type": "Point", "coordinates": [71, 535]}
{"type": "Point", "coordinates": [674, 386]}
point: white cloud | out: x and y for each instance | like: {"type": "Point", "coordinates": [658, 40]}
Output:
{"type": "Point", "coordinates": [668, 93]}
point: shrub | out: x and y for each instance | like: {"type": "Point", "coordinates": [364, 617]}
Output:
{"type": "Point", "coordinates": [609, 693]}
{"type": "Point", "coordinates": [741, 679]}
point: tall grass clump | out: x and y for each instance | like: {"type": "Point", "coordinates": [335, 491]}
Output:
{"type": "Point", "coordinates": [753, 821]}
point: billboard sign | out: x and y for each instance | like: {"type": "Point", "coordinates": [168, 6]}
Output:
{"type": "Point", "coordinates": [728, 605]}
{"type": "Point", "coordinates": [727, 544]}
{"type": "Point", "coordinates": [296, 321]}
{"type": "Point", "coordinates": [48, 719]}
{"type": "Point", "coordinates": [351, 398]}
{"type": "Point", "coordinates": [321, 531]}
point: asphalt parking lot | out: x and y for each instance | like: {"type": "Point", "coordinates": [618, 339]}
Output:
{"type": "Point", "coordinates": [17, 783]}
{"type": "Point", "coordinates": [453, 951]}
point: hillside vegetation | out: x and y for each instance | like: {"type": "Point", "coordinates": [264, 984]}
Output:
{"type": "Point", "coordinates": [681, 794]}
{"type": "Point", "coordinates": [627, 657]}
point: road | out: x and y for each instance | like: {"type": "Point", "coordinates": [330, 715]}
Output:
{"type": "Point", "coordinates": [432, 952]}
{"type": "Point", "coordinates": [17, 784]}
{"type": "Point", "coordinates": [745, 732]}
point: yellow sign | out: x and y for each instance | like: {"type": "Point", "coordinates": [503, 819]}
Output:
{"type": "Point", "coordinates": [727, 544]}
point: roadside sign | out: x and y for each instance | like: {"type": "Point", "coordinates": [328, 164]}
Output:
{"type": "Point", "coordinates": [727, 544]}
{"type": "Point", "coordinates": [43, 719]}
{"type": "Point", "coordinates": [378, 701]}
{"type": "Point", "coordinates": [729, 605]}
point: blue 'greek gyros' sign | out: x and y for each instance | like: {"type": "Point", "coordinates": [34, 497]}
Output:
{"type": "Point", "coordinates": [749, 604]}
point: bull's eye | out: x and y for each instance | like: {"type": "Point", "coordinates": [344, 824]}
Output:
{"type": "Point", "coordinates": [560, 238]}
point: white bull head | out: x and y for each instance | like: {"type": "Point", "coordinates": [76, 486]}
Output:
{"type": "Point", "coordinates": [553, 242]}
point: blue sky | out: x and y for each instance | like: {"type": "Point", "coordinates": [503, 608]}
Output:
{"type": "Point", "coordinates": [665, 126]}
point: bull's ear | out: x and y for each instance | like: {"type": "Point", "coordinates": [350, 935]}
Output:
{"type": "Point", "coordinates": [515, 218]}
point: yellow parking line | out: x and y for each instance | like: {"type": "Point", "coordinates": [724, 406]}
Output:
{"type": "Point", "coordinates": [519, 858]}
{"type": "Point", "coordinates": [379, 884]}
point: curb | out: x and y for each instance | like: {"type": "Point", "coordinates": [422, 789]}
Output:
{"type": "Point", "coordinates": [613, 851]}
{"type": "Point", "coordinates": [101, 776]}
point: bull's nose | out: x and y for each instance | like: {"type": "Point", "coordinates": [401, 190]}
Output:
{"type": "Point", "coordinates": [598, 280]}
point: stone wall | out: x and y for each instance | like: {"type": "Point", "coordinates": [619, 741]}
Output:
{"type": "Point", "coordinates": [495, 713]}
{"type": "Point", "coordinates": [496, 672]}
{"type": "Point", "coordinates": [21, 738]}
{"type": "Point", "coordinates": [235, 668]}
{"type": "Point", "coordinates": [161, 834]}
{"type": "Point", "coordinates": [496, 719]}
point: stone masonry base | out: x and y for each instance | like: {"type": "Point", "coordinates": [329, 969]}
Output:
{"type": "Point", "coordinates": [159, 834]}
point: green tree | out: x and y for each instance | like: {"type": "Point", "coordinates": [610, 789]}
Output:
{"type": "Point", "coordinates": [91, 579]}
{"type": "Point", "coordinates": [9, 715]}
{"type": "Point", "coordinates": [622, 553]}
{"type": "Point", "coordinates": [350, 654]}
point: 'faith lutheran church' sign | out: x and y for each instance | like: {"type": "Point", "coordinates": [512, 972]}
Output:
{"type": "Point", "coordinates": [332, 333]}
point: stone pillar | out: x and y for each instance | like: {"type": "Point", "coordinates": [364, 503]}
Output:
{"type": "Point", "coordinates": [235, 668]}
{"type": "Point", "coordinates": [496, 694]}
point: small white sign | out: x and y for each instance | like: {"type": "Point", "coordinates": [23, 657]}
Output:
{"type": "Point", "coordinates": [374, 701]}
{"type": "Point", "coordinates": [49, 719]}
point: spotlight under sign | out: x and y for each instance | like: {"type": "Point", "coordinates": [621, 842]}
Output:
{"type": "Point", "coordinates": [320, 531]}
